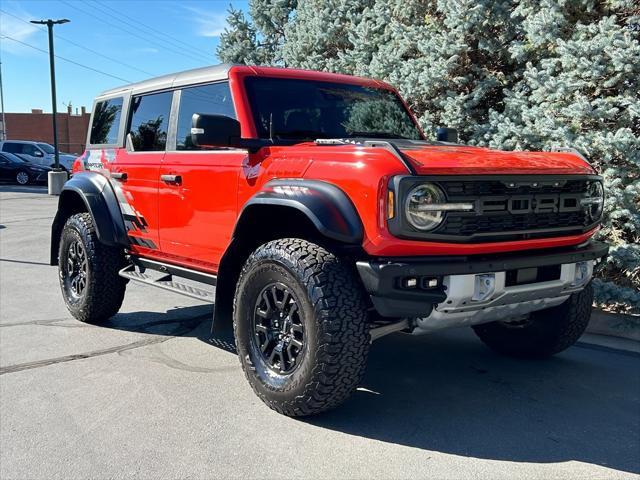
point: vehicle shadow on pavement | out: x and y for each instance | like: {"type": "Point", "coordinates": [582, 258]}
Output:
{"type": "Point", "coordinates": [448, 393]}
{"type": "Point", "coordinates": [194, 321]}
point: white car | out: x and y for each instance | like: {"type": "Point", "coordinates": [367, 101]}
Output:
{"type": "Point", "coordinates": [39, 153]}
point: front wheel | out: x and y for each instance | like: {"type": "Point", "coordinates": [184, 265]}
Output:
{"type": "Point", "coordinates": [543, 333]}
{"type": "Point", "coordinates": [300, 323]}
{"type": "Point", "coordinates": [91, 287]}
{"type": "Point", "coordinates": [22, 178]}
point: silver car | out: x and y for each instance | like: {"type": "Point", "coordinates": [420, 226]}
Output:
{"type": "Point", "coordinates": [39, 153]}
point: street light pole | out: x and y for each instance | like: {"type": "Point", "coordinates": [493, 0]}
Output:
{"type": "Point", "coordinates": [4, 122]}
{"type": "Point", "coordinates": [50, 23]}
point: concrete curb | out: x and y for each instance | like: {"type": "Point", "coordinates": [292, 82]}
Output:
{"type": "Point", "coordinates": [614, 325]}
{"type": "Point", "coordinates": [609, 343]}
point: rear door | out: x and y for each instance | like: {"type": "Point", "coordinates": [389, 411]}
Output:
{"type": "Point", "coordinates": [198, 188]}
{"type": "Point", "coordinates": [24, 150]}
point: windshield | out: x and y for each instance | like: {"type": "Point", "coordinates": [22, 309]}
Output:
{"type": "Point", "coordinates": [13, 157]}
{"type": "Point", "coordinates": [286, 108]}
{"type": "Point", "coordinates": [46, 148]}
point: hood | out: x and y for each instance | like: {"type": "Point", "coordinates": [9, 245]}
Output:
{"type": "Point", "coordinates": [440, 159]}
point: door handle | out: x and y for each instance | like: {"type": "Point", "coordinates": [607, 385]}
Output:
{"type": "Point", "coordinates": [119, 175]}
{"type": "Point", "coordinates": [171, 179]}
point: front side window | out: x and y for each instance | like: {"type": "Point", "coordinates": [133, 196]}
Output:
{"type": "Point", "coordinates": [286, 108]}
{"type": "Point", "coordinates": [210, 99]}
{"type": "Point", "coordinates": [106, 122]}
{"type": "Point", "coordinates": [29, 149]}
{"type": "Point", "coordinates": [150, 121]}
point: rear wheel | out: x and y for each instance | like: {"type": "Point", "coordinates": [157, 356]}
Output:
{"type": "Point", "coordinates": [91, 287]}
{"type": "Point", "coordinates": [300, 323]}
{"type": "Point", "coordinates": [22, 178]}
{"type": "Point", "coordinates": [543, 333]}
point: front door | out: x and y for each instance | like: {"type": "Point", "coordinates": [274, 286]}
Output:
{"type": "Point", "coordinates": [135, 171]}
{"type": "Point", "coordinates": [198, 188]}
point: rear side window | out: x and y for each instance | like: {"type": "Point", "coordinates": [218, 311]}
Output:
{"type": "Point", "coordinates": [106, 122]}
{"type": "Point", "coordinates": [150, 121]}
{"type": "Point", "coordinates": [12, 147]}
{"type": "Point", "coordinates": [211, 99]}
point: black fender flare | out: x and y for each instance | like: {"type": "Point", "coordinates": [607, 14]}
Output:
{"type": "Point", "coordinates": [99, 199]}
{"type": "Point", "coordinates": [328, 207]}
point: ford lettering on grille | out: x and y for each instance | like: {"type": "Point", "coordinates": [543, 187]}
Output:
{"type": "Point", "coordinates": [523, 204]}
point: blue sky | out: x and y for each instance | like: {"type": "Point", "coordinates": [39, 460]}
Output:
{"type": "Point", "coordinates": [143, 38]}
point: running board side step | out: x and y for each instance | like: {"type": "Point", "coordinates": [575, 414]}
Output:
{"type": "Point", "coordinates": [166, 281]}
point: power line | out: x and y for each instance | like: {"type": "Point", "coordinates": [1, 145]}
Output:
{"type": "Point", "coordinates": [67, 60]}
{"type": "Point", "coordinates": [154, 31]}
{"type": "Point", "coordinates": [85, 48]}
{"type": "Point", "coordinates": [115, 25]}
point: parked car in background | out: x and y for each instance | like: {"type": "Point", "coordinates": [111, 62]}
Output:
{"type": "Point", "coordinates": [18, 170]}
{"type": "Point", "coordinates": [39, 153]}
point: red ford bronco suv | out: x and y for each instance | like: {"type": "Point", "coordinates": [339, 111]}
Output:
{"type": "Point", "coordinates": [311, 210]}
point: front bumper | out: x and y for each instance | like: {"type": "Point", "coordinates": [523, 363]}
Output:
{"type": "Point", "coordinates": [384, 279]}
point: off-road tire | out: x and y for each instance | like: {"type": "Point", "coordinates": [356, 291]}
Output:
{"type": "Point", "coordinates": [546, 333]}
{"type": "Point", "coordinates": [334, 315]}
{"type": "Point", "coordinates": [104, 291]}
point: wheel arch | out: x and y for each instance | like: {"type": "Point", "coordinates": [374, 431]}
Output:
{"type": "Point", "coordinates": [89, 192]}
{"type": "Point", "coordinates": [312, 210]}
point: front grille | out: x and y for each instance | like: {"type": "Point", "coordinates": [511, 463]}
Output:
{"type": "Point", "coordinates": [456, 224]}
{"type": "Point", "coordinates": [515, 208]}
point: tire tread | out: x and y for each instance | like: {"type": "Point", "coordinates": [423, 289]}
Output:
{"type": "Point", "coordinates": [105, 288]}
{"type": "Point", "coordinates": [340, 309]}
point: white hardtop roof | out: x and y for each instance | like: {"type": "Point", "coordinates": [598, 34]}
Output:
{"type": "Point", "coordinates": [188, 77]}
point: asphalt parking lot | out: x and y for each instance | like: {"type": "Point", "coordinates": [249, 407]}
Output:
{"type": "Point", "coordinates": [154, 394]}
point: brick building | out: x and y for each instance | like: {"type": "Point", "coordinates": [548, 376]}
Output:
{"type": "Point", "coordinates": [36, 126]}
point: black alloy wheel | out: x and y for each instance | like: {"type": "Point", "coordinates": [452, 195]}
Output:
{"type": "Point", "coordinates": [91, 286]}
{"type": "Point", "coordinates": [278, 330]}
{"type": "Point", "coordinates": [301, 327]}
{"type": "Point", "coordinates": [76, 269]}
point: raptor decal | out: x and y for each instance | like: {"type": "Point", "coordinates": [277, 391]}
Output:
{"type": "Point", "coordinates": [100, 161]}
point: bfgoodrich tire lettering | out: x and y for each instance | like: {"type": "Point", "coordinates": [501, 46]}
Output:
{"type": "Point", "coordinates": [546, 332]}
{"type": "Point", "coordinates": [332, 317]}
{"type": "Point", "coordinates": [88, 270]}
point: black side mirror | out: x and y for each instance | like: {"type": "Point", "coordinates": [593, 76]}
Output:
{"type": "Point", "coordinates": [445, 134]}
{"type": "Point", "coordinates": [214, 131]}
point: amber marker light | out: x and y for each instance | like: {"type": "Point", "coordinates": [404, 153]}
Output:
{"type": "Point", "coordinates": [390, 205]}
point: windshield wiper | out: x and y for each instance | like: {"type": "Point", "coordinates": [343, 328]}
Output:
{"type": "Point", "coordinates": [299, 134]}
{"type": "Point", "coordinates": [377, 135]}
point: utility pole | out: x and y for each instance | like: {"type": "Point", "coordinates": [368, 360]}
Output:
{"type": "Point", "coordinates": [4, 122]}
{"type": "Point", "coordinates": [55, 181]}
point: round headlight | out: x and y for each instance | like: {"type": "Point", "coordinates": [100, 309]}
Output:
{"type": "Point", "coordinates": [419, 206]}
{"type": "Point", "coordinates": [596, 200]}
